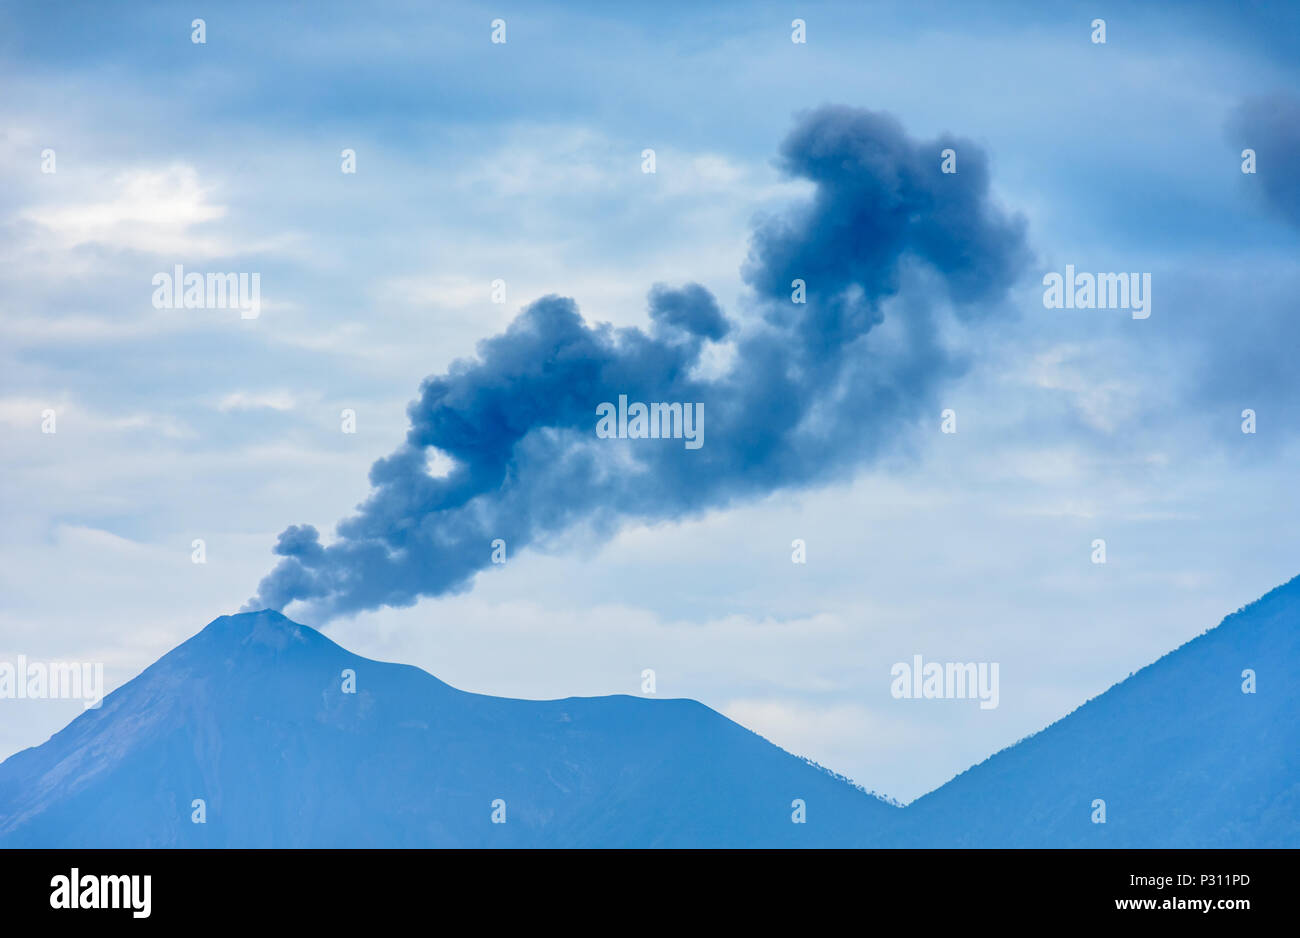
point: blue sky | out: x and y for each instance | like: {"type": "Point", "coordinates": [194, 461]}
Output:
{"type": "Point", "coordinates": [522, 161]}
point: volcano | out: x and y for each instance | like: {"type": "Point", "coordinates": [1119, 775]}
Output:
{"type": "Point", "coordinates": [260, 732]}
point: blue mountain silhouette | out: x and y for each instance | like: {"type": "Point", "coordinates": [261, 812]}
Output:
{"type": "Point", "coordinates": [1180, 755]}
{"type": "Point", "coordinates": [251, 716]}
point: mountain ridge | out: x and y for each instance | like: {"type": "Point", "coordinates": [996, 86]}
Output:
{"type": "Point", "coordinates": [423, 762]}
{"type": "Point", "coordinates": [1216, 795]}
{"type": "Point", "coordinates": [250, 714]}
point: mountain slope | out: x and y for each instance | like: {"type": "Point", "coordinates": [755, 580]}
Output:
{"type": "Point", "coordinates": [1180, 755]}
{"type": "Point", "coordinates": [250, 716]}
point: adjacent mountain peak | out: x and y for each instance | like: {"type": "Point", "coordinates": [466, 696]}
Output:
{"type": "Point", "coordinates": [1201, 748]}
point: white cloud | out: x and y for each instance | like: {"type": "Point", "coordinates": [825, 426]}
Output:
{"type": "Point", "coordinates": [153, 210]}
{"type": "Point", "coordinates": [257, 400]}
{"type": "Point", "coordinates": [26, 414]}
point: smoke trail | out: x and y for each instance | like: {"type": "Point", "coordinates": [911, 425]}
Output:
{"type": "Point", "coordinates": [809, 398]}
{"type": "Point", "coordinates": [1270, 125]}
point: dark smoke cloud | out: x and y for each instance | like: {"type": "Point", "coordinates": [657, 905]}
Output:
{"type": "Point", "coordinates": [805, 402]}
{"type": "Point", "coordinates": [1270, 125]}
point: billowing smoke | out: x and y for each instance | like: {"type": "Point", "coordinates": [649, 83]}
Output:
{"type": "Point", "coordinates": [809, 395]}
{"type": "Point", "coordinates": [1270, 125]}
